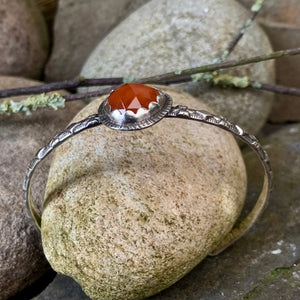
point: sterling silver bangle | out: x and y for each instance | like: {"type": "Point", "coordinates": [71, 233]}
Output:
{"type": "Point", "coordinates": [135, 107]}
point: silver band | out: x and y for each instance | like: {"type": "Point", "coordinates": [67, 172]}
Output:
{"type": "Point", "coordinates": [174, 112]}
{"type": "Point", "coordinates": [71, 130]}
{"type": "Point", "coordinates": [242, 227]}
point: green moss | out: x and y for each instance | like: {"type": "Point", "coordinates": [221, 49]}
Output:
{"type": "Point", "coordinates": [202, 76]}
{"type": "Point", "coordinates": [178, 72]}
{"type": "Point", "coordinates": [257, 5]}
{"type": "Point", "coordinates": [128, 79]}
{"type": "Point", "coordinates": [227, 80]}
{"type": "Point", "coordinates": [285, 273]}
{"type": "Point", "coordinates": [256, 85]}
{"type": "Point", "coordinates": [32, 103]}
{"type": "Point", "coordinates": [273, 275]}
{"type": "Point", "coordinates": [252, 294]}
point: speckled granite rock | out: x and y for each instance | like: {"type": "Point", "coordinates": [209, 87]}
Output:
{"type": "Point", "coordinates": [129, 213]}
{"type": "Point", "coordinates": [83, 24]}
{"type": "Point", "coordinates": [181, 34]}
{"type": "Point", "coordinates": [21, 256]}
{"type": "Point", "coordinates": [264, 264]}
{"type": "Point", "coordinates": [280, 20]}
{"type": "Point", "coordinates": [24, 39]}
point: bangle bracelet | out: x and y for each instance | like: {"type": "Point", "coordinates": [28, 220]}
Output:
{"type": "Point", "coordinates": [135, 107]}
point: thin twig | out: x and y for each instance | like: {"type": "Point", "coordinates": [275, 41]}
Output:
{"type": "Point", "coordinates": [192, 74]}
{"type": "Point", "coordinates": [218, 66]}
{"type": "Point", "coordinates": [78, 96]}
{"type": "Point", "coordinates": [54, 86]}
{"type": "Point", "coordinates": [279, 89]}
{"type": "Point", "coordinates": [275, 88]}
{"type": "Point", "coordinates": [255, 9]}
{"type": "Point", "coordinates": [226, 80]}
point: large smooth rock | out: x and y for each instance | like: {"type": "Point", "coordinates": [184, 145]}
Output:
{"type": "Point", "coordinates": [280, 20]}
{"type": "Point", "coordinates": [21, 257]}
{"type": "Point", "coordinates": [79, 26]}
{"type": "Point", "coordinates": [164, 36]}
{"type": "Point", "coordinates": [265, 263]}
{"type": "Point", "coordinates": [24, 39]}
{"type": "Point", "coordinates": [129, 213]}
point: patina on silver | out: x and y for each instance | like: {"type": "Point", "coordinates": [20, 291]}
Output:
{"type": "Point", "coordinates": [163, 108]}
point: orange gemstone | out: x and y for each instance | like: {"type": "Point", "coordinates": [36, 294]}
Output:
{"type": "Point", "coordinates": [132, 96]}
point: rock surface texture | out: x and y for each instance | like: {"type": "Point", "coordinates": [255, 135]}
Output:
{"type": "Point", "coordinates": [21, 257]}
{"type": "Point", "coordinates": [265, 263]}
{"type": "Point", "coordinates": [79, 26]}
{"type": "Point", "coordinates": [129, 213]}
{"type": "Point", "coordinates": [182, 34]}
{"type": "Point", "coordinates": [24, 39]}
{"type": "Point", "coordinates": [280, 20]}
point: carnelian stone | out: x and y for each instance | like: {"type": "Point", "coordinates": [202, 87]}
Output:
{"type": "Point", "coordinates": [132, 96]}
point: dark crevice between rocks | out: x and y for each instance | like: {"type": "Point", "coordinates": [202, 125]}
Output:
{"type": "Point", "coordinates": [36, 288]}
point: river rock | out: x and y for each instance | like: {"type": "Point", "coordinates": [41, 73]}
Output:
{"type": "Point", "coordinates": [24, 39]}
{"type": "Point", "coordinates": [129, 213]}
{"type": "Point", "coordinates": [265, 263]}
{"type": "Point", "coordinates": [21, 256]}
{"type": "Point", "coordinates": [280, 20]}
{"type": "Point", "coordinates": [164, 36]}
{"type": "Point", "coordinates": [83, 23]}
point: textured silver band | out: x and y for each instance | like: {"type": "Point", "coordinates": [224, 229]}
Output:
{"type": "Point", "coordinates": [175, 112]}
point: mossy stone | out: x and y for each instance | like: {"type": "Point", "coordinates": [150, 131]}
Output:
{"type": "Point", "coordinates": [127, 214]}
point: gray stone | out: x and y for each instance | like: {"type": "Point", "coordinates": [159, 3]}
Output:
{"type": "Point", "coordinates": [24, 39]}
{"type": "Point", "coordinates": [280, 20]}
{"type": "Point", "coordinates": [21, 257]}
{"type": "Point", "coordinates": [62, 288]}
{"type": "Point", "coordinates": [79, 26]}
{"type": "Point", "coordinates": [129, 213]}
{"type": "Point", "coordinates": [264, 264]}
{"type": "Point", "coordinates": [164, 36]}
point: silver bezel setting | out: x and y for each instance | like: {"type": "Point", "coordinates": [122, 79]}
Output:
{"type": "Point", "coordinates": [135, 121]}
